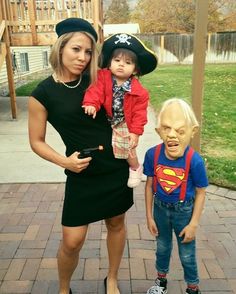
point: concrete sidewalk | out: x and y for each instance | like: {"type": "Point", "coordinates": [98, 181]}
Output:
{"type": "Point", "coordinates": [21, 165]}
{"type": "Point", "coordinates": [31, 197]}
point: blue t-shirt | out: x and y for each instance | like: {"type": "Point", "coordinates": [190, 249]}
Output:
{"type": "Point", "coordinates": [171, 172]}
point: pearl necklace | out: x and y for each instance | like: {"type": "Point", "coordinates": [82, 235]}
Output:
{"type": "Point", "coordinates": [67, 86]}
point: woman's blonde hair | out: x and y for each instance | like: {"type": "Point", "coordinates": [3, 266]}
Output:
{"type": "Point", "coordinates": [55, 58]}
{"type": "Point", "coordinates": [186, 108]}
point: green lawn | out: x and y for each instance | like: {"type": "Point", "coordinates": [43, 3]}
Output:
{"type": "Point", "coordinates": [25, 90]}
{"type": "Point", "coordinates": [219, 112]}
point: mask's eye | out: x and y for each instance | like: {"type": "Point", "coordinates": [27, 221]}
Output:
{"type": "Point", "coordinates": [181, 132]}
{"type": "Point", "coordinates": [166, 129]}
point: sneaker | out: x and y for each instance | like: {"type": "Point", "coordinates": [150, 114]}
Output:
{"type": "Point", "coordinates": [135, 177]}
{"type": "Point", "coordinates": [159, 288]}
{"type": "Point", "coordinates": [191, 291]}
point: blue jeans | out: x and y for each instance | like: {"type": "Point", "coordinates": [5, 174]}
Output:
{"type": "Point", "coordinates": [171, 217]}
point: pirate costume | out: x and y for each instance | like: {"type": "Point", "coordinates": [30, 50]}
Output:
{"type": "Point", "coordinates": [125, 105]}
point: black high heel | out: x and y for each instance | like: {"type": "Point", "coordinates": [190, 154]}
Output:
{"type": "Point", "coordinates": [105, 285]}
{"type": "Point", "coordinates": [70, 291]}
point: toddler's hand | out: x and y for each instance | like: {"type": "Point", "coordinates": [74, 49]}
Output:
{"type": "Point", "coordinates": [133, 140]}
{"type": "Point", "coordinates": [90, 110]}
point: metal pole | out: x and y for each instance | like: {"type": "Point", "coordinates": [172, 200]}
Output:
{"type": "Point", "coordinates": [199, 54]}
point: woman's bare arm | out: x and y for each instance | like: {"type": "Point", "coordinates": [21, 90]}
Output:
{"type": "Point", "coordinates": [37, 125]}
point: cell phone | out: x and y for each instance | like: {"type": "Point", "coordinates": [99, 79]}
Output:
{"type": "Point", "coordinates": [89, 151]}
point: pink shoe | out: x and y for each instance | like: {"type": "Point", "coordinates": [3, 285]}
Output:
{"type": "Point", "coordinates": [135, 177]}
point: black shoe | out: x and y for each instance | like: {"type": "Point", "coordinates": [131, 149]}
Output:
{"type": "Point", "coordinates": [70, 291]}
{"type": "Point", "coordinates": [105, 285]}
{"type": "Point", "coordinates": [191, 291]}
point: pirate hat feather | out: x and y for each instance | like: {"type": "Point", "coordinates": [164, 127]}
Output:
{"type": "Point", "coordinates": [147, 59]}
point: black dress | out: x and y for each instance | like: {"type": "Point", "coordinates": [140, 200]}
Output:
{"type": "Point", "coordinates": [100, 191]}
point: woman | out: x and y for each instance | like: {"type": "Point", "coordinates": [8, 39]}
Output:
{"type": "Point", "coordinates": [95, 186]}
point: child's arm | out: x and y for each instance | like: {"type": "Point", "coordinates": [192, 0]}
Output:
{"type": "Point", "coordinates": [149, 207]}
{"type": "Point", "coordinates": [94, 96]}
{"type": "Point", "coordinates": [139, 114]}
{"type": "Point", "coordinates": [189, 232]}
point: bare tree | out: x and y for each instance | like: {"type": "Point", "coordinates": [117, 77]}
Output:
{"type": "Point", "coordinates": [117, 12]}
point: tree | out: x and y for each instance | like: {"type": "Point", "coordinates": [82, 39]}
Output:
{"type": "Point", "coordinates": [222, 16]}
{"type": "Point", "coordinates": [178, 16]}
{"type": "Point", "coordinates": [117, 12]}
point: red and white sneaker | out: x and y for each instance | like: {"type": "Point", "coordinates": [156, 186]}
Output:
{"type": "Point", "coordinates": [135, 177]}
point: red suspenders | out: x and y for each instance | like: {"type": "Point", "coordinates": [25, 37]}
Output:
{"type": "Point", "coordinates": [185, 179]}
{"type": "Point", "coordinates": [156, 156]}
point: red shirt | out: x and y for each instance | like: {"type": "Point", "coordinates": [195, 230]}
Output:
{"type": "Point", "coordinates": [135, 102]}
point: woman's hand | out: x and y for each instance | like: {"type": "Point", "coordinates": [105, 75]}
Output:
{"type": "Point", "coordinates": [75, 164]}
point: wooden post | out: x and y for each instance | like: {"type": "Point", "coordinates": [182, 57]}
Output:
{"type": "Point", "coordinates": [10, 75]}
{"type": "Point", "coordinates": [96, 16]}
{"type": "Point", "coordinates": [1, 16]}
{"type": "Point", "coordinates": [199, 54]}
{"type": "Point", "coordinates": [32, 17]}
{"type": "Point", "coordinates": [162, 49]}
{"type": "Point", "coordinates": [209, 43]}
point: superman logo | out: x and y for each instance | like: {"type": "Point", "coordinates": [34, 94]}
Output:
{"type": "Point", "coordinates": [170, 178]}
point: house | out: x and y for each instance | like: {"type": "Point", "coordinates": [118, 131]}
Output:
{"type": "Point", "coordinates": [26, 60]}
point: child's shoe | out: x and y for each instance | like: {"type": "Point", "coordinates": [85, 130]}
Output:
{"type": "Point", "coordinates": [191, 291]}
{"type": "Point", "coordinates": [159, 288]}
{"type": "Point", "coordinates": [135, 177]}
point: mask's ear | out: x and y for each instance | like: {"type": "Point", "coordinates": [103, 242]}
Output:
{"type": "Point", "coordinates": [158, 131]}
{"type": "Point", "coordinates": [194, 131]}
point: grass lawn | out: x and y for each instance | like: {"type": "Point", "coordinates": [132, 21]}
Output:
{"type": "Point", "coordinates": [25, 90]}
{"type": "Point", "coordinates": [218, 132]}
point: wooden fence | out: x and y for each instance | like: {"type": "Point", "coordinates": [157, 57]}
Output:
{"type": "Point", "coordinates": [178, 48]}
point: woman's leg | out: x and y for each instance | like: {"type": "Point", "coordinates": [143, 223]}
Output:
{"type": "Point", "coordinates": [116, 236]}
{"type": "Point", "coordinates": [68, 254]}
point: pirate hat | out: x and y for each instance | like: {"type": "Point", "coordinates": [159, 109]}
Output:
{"type": "Point", "coordinates": [75, 24]}
{"type": "Point", "coordinates": [147, 59]}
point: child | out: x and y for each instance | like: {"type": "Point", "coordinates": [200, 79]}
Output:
{"type": "Point", "coordinates": [176, 183]}
{"type": "Point", "coordinates": [122, 96]}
